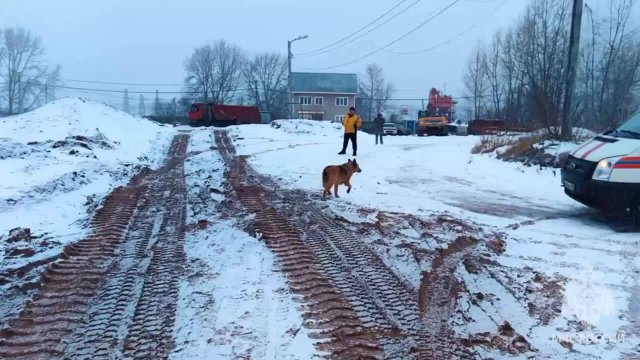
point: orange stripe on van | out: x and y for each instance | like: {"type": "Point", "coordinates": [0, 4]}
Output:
{"type": "Point", "coordinates": [584, 156]}
{"type": "Point", "coordinates": [626, 166]}
{"type": "Point", "coordinates": [581, 147]}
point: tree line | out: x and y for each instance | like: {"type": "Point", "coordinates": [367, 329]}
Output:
{"type": "Point", "coordinates": [219, 72]}
{"type": "Point", "coordinates": [216, 72]}
{"type": "Point", "coordinates": [520, 76]}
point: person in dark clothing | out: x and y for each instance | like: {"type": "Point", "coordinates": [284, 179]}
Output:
{"type": "Point", "coordinates": [351, 124]}
{"type": "Point", "coordinates": [378, 124]}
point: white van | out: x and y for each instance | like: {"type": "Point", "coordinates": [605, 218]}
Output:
{"type": "Point", "coordinates": [604, 172]}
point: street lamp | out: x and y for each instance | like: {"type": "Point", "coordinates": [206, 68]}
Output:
{"type": "Point", "coordinates": [289, 57]}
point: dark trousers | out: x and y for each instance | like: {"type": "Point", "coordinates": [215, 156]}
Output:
{"type": "Point", "coordinates": [354, 142]}
{"type": "Point", "coordinates": [379, 134]}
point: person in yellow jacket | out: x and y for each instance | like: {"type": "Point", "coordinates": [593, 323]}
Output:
{"type": "Point", "coordinates": [351, 124]}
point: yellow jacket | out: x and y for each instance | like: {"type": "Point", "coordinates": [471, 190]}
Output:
{"type": "Point", "coordinates": [350, 122]}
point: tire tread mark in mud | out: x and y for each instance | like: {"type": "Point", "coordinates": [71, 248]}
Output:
{"type": "Point", "coordinates": [88, 288]}
{"type": "Point", "coordinates": [382, 301]}
{"type": "Point", "coordinates": [325, 308]}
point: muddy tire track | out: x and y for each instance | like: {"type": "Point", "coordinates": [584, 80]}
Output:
{"type": "Point", "coordinates": [113, 294]}
{"type": "Point", "coordinates": [346, 271]}
{"type": "Point", "coordinates": [325, 309]}
{"type": "Point", "coordinates": [438, 298]}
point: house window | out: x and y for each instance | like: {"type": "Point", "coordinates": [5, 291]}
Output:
{"type": "Point", "coordinates": [307, 116]}
{"type": "Point", "coordinates": [305, 100]}
{"type": "Point", "coordinates": [319, 100]}
{"type": "Point", "coordinates": [340, 118]}
{"type": "Point", "coordinates": [342, 101]}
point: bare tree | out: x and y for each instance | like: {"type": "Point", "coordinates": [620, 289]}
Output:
{"type": "Point", "coordinates": [527, 84]}
{"type": "Point", "coordinates": [266, 78]}
{"type": "Point", "coordinates": [25, 77]}
{"type": "Point", "coordinates": [512, 78]}
{"type": "Point", "coordinates": [215, 71]}
{"type": "Point", "coordinates": [125, 103]}
{"type": "Point", "coordinates": [475, 82]}
{"type": "Point", "coordinates": [543, 38]}
{"type": "Point", "coordinates": [492, 70]}
{"type": "Point", "coordinates": [375, 91]}
{"type": "Point", "coordinates": [614, 67]}
{"type": "Point", "coordinates": [141, 106]}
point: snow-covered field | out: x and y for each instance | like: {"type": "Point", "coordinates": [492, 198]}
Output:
{"type": "Point", "coordinates": [567, 278]}
{"type": "Point", "coordinates": [56, 165]}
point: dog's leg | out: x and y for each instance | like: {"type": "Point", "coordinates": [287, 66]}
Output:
{"type": "Point", "coordinates": [335, 190]}
{"type": "Point", "coordinates": [348, 186]}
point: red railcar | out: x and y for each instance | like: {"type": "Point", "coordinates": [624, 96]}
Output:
{"type": "Point", "coordinates": [202, 114]}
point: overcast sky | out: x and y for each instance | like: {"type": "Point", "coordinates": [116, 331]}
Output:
{"type": "Point", "coordinates": [145, 41]}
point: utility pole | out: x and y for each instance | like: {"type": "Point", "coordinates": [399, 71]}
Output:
{"type": "Point", "coordinates": [46, 93]}
{"type": "Point", "coordinates": [289, 57]}
{"type": "Point", "coordinates": [574, 48]}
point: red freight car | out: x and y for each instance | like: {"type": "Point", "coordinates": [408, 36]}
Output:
{"type": "Point", "coordinates": [202, 114]}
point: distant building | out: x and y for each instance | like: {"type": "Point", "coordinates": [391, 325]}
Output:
{"type": "Point", "coordinates": [323, 96]}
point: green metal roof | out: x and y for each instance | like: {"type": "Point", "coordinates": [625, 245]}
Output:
{"type": "Point", "coordinates": [324, 83]}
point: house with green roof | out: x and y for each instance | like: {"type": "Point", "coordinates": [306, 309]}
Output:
{"type": "Point", "coordinates": [323, 96]}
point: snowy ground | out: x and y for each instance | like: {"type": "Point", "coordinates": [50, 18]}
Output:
{"type": "Point", "coordinates": [57, 163]}
{"type": "Point", "coordinates": [560, 274]}
{"type": "Point", "coordinates": [234, 303]}
{"type": "Point", "coordinates": [566, 278]}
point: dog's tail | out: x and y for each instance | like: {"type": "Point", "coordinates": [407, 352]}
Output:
{"type": "Point", "coordinates": [325, 176]}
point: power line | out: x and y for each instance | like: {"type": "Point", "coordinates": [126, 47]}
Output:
{"type": "Point", "coordinates": [394, 41]}
{"type": "Point", "coordinates": [118, 83]}
{"type": "Point", "coordinates": [353, 33]}
{"type": "Point", "coordinates": [453, 38]}
{"type": "Point", "coordinates": [147, 92]}
{"type": "Point", "coordinates": [435, 46]}
{"type": "Point", "coordinates": [368, 32]}
{"type": "Point", "coordinates": [106, 82]}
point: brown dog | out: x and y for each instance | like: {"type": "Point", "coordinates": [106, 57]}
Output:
{"type": "Point", "coordinates": [334, 175]}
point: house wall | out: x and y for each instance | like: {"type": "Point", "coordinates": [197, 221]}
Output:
{"type": "Point", "coordinates": [329, 108]}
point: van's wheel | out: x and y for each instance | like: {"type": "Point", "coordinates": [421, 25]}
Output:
{"type": "Point", "coordinates": [636, 212]}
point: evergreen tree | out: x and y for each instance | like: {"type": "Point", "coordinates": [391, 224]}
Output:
{"type": "Point", "coordinates": [125, 104]}
{"type": "Point", "coordinates": [157, 106]}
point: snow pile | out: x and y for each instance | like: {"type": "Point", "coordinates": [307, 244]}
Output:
{"type": "Point", "coordinates": [300, 126]}
{"type": "Point", "coordinates": [580, 134]}
{"type": "Point", "coordinates": [556, 147]}
{"type": "Point", "coordinates": [72, 136]}
{"type": "Point", "coordinates": [84, 120]}
{"type": "Point", "coordinates": [57, 163]}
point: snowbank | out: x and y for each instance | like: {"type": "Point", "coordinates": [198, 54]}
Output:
{"type": "Point", "coordinates": [58, 162]}
{"type": "Point", "coordinates": [300, 126]}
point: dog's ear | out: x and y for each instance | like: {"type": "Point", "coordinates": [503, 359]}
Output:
{"type": "Point", "coordinates": [349, 160]}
